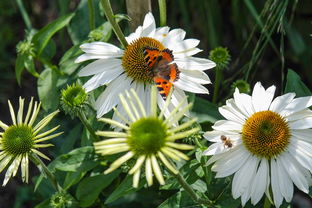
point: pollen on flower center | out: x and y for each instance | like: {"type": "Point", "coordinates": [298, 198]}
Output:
{"type": "Point", "coordinates": [147, 136]}
{"type": "Point", "coordinates": [18, 139]}
{"type": "Point", "coordinates": [133, 59]}
{"type": "Point", "coordinates": [266, 134]}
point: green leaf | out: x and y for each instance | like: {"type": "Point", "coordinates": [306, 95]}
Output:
{"type": "Point", "coordinates": [30, 66]}
{"type": "Point", "coordinates": [19, 67]}
{"type": "Point", "coordinates": [180, 199]}
{"type": "Point", "coordinates": [42, 37]}
{"type": "Point", "coordinates": [80, 159]}
{"type": "Point", "coordinates": [124, 188]}
{"type": "Point", "coordinates": [294, 84]}
{"type": "Point", "coordinates": [205, 111]}
{"type": "Point", "coordinates": [47, 90]}
{"type": "Point", "coordinates": [72, 178]}
{"type": "Point", "coordinates": [89, 189]}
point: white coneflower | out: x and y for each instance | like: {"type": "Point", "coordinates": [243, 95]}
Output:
{"type": "Point", "coordinates": [22, 139]}
{"type": "Point", "coordinates": [266, 142]}
{"type": "Point", "coordinates": [152, 52]}
{"type": "Point", "coordinates": [147, 137]}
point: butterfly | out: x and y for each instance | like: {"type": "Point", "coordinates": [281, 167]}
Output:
{"type": "Point", "coordinates": [161, 69]}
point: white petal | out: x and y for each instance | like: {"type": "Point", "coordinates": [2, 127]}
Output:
{"type": "Point", "coordinates": [101, 48]}
{"type": "Point", "coordinates": [176, 34]}
{"type": "Point", "coordinates": [231, 163]}
{"type": "Point", "coordinates": [299, 115]}
{"type": "Point", "coordinates": [228, 113]}
{"type": "Point", "coordinates": [186, 85]}
{"type": "Point", "coordinates": [302, 134]}
{"type": "Point", "coordinates": [161, 33]}
{"type": "Point", "coordinates": [299, 153]}
{"type": "Point", "coordinates": [280, 102]}
{"type": "Point", "coordinates": [297, 104]}
{"type": "Point", "coordinates": [194, 63]}
{"type": "Point", "coordinates": [261, 98]}
{"type": "Point", "coordinates": [304, 123]}
{"type": "Point", "coordinates": [195, 76]}
{"type": "Point", "coordinates": [109, 98]}
{"type": "Point", "coordinates": [243, 177]}
{"type": "Point", "coordinates": [295, 171]}
{"type": "Point", "coordinates": [188, 53]}
{"type": "Point", "coordinates": [183, 46]}
{"type": "Point", "coordinates": [87, 56]}
{"type": "Point", "coordinates": [244, 103]}
{"type": "Point", "coordinates": [277, 196]}
{"type": "Point", "coordinates": [149, 25]}
{"type": "Point", "coordinates": [285, 184]}
{"type": "Point", "coordinates": [177, 97]}
{"type": "Point", "coordinates": [214, 136]}
{"type": "Point", "coordinates": [135, 35]}
{"type": "Point", "coordinates": [100, 66]}
{"type": "Point", "coordinates": [260, 181]}
{"type": "Point", "coordinates": [102, 79]}
{"type": "Point", "coordinates": [224, 125]}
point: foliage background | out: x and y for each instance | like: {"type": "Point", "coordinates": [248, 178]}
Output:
{"type": "Point", "coordinates": [249, 33]}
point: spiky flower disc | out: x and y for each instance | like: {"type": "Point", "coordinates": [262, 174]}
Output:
{"type": "Point", "coordinates": [147, 137]}
{"type": "Point", "coordinates": [22, 139]}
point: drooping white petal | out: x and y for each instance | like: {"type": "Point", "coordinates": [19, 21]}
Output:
{"type": "Point", "coordinates": [277, 195]}
{"type": "Point", "coordinates": [301, 154]}
{"type": "Point", "coordinates": [243, 177]}
{"type": "Point", "coordinates": [102, 79]}
{"type": "Point", "coordinates": [260, 181]}
{"type": "Point", "coordinates": [187, 53]}
{"type": "Point", "coordinates": [295, 171]}
{"type": "Point", "coordinates": [280, 102]}
{"type": "Point", "coordinates": [299, 115]}
{"type": "Point", "coordinates": [177, 97]}
{"type": "Point", "coordinates": [284, 181]}
{"type": "Point", "coordinates": [261, 98]}
{"type": "Point", "coordinates": [91, 56]}
{"type": "Point", "coordinates": [100, 66]}
{"type": "Point", "coordinates": [12, 170]}
{"type": "Point", "coordinates": [108, 99]}
{"type": "Point", "coordinates": [194, 63]}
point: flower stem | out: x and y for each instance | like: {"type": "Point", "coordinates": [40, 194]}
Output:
{"type": "Point", "coordinates": [24, 14]}
{"type": "Point", "coordinates": [217, 84]}
{"type": "Point", "coordinates": [267, 203]}
{"type": "Point", "coordinates": [35, 159]}
{"type": "Point", "coordinates": [191, 191]}
{"type": "Point", "coordinates": [162, 12]}
{"type": "Point", "coordinates": [91, 15]}
{"type": "Point", "coordinates": [85, 122]}
{"type": "Point", "coordinates": [110, 16]}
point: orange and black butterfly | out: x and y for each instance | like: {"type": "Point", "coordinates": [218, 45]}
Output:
{"type": "Point", "coordinates": [164, 72]}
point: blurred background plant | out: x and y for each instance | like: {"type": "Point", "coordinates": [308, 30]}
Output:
{"type": "Point", "coordinates": [40, 41]}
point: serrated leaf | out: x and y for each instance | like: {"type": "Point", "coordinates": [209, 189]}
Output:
{"type": "Point", "coordinates": [42, 37]}
{"type": "Point", "coordinates": [294, 84]}
{"type": "Point", "coordinates": [47, 89]}
{"type": "Point", "coordinates": [89, 188]}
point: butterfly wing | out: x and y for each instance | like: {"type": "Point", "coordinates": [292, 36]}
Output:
{"type": "Point", "coordinates": [151, 56]}
{"type": "Point", "coordinates": [163, 86]}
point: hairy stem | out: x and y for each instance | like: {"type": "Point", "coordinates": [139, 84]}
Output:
{"type": "Point", "coordinates": [91, 15]}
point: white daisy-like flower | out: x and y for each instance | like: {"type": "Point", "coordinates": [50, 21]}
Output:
{"type": "Point", "coordinates": [147, 137]}
{"type": "Point", "coordinates": [151, 52]}
{"type": "Point", "coordinates": [21, 140]}
{"type": "Point", "coordinates": [266, 143]}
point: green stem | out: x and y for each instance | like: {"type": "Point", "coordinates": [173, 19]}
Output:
{"type": "Point", "coordinates": [217, 84]}
{"type": "Point", "coordinates": [191, 191]}
{"type": "Point", "coordinates": [24, 14]}
{"type": "Point", "coordinates": [267, 203]}
{"type": "Point", "coordinates": [162, 12]}
{"type": "Point", "coordinates": [86, 123]}
{"type": "Point", "coordinates": [110, 16]}
{"type": "Point", "coordinates": [91, 15]}
{"type": "Point", "coordinates": [35, 159]}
